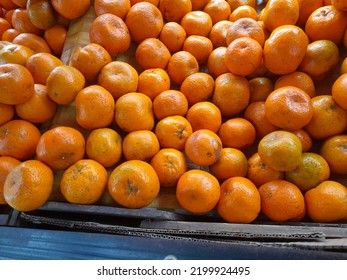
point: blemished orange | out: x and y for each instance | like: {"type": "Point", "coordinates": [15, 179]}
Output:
{"type": "Point", "coordinates": [231, 94]}
{"type": "Point", "coordinates": [60, 147]}
{"type": "Point", "coordinates": [218, 10]}
{"type": "Point", "coordinates": [173, 132]}
{"type": "Point", "coordinates": [39, 108]}
{"type": "Point", "coordinates": [134, 111]}
{"type": "Point", "coordinates": [152, 53]}
{"type": "Point", "coordinates": [173, 36]}
{"type": "Point", "coordinates": [215, 62]}
{"type": "Point", "coordinates": [7, 113]}
{"type": "Point", "coordinates": [16, 84]}
{"type": "Point", "coordinates": [6, 165]}
{"type": "Point", "coordinates": [239, 201]}
{"type": "Point", "coordinates": [153, 81]}
{"type": "Point", "coordinates": [55, 37]}
{"type": "Point", "coordinates": [105, 146]}
{"type": "Point", "coordinates": [237, 133]}
{"type": "Point", "coordinates": [169, 164]}
{"type": "Point", "coordinates": [199, 46]}
{"type": "Point", "coordinates": [28, 185]}
{"type": "Point", "coordinates": [63, 83]}
{"type": "Point", "coordinates": [334, 152]}
{"type": "Point", "coordinates": [297, 79]}
{"type": "Point", "coordinates": [197, 87]}
{"type": "Point", "coordinates": [34, 42]}
{"type": "Point", "coordinates": [282, 201]}
{"type": "Point", "coordinates": [173, 11]}
{"type": "Point", "coordinates": [305, 138]}
{"type": "Point", "coordinates": [260, 88]}
{"type": "Point", "coordinates": [169, 103]}
{"type": "Point", "coordinates": [197, 23]}
{"type": "Point", "coordinates": [119, 8]}
{"type": "Point", "coordinates": [328, 118]}
{"type": "Point", "coordinates": [41, 13]}
{"type": "Point", "coordinates": [71, 10]}
{"type": "Point", "coordinates": [218, 33]}
{"type": "Point", "coordinates": [289, 108]}
{"type": "Point", "coordinates": [89, 60]}
{"type": "Point", "coordinates": [41, 65]}
{"type": "Point", "coordinates": [281, 150]}
{"type": "Point", "coordinates": [326, 23]}
{"type": "Point", "coordinates": [198, 191]}
{"type": "Point", "coordinates": [203, 147]}
{"type": "Point", "coordinates": [232, 162]}
{"type": "Point", "coordinates": [89, 102]}
{"type": "Point", "coordinates": [327, 202]}
{"type": "Point", "coordinates": [140, 144]}
{"type": "Point", "coordinates": [181, 65]}
{"type": "Point", "coordinates": [199, 112]}
{"type": "Point", "coordinates": [144, 20]}
{"type": "Point", "coordinates": [18, 139]}
{"type": "Point", "coordinates": [306, 8]}
{"type": "Point", "coordinates": [84, 182]}
{"type": "Point", "coordinates": [259, 172]}
{"type": "Point", "coordinates": [134, 184]}
{"type": "Point", "coordinates": [285, 49]}
{"type": "Point", "coordinates": [21, 22]}
{"type": "Point", "coordinates": [243, 11]}
{"type": "Point", "coordinates": [338, 91]}
{"type": "Point", "coordinates": [111, 32]}
{"type": "Point", "coordinates": [118, 78]}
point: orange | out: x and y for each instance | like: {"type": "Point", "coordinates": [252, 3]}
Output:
{"type": "Point", "coordinates": [119, 8]}
{"type": "Point", "coordinates": [289, 108]}
{"type": "Point", "coordinates": [70, 9]}
{"type": "Point", "coordinates": [203, 147]}
{"type": "Point", "coordinates": [34, 42]}
{"type": "Point", "coordinates": [22, 22]}
{"type": "Point", "coordinates": [280, 150]}
{"type": "Point", "coordinates": [174, 10]}
{"type": "Point", "coordinates": [10, 34]}
{"type": "Point", "coordinates": [169, 103]}
{"type": "Point", "coordinates": [41, 65]}
{"type": "Point", "coordinates": [245, 27]}
{"type": "Point", "coordinates": [173, 36]}
{"type": "Point", "coordinates": [343, 67]}
{"type": "Point", "coordinates": [144, 20]}
{"type": "Point", "coordinates": [7, 113]}
{"type": "Point", "coordinates": [255, 113]}
{"type": "Point", "coordinates": [198, 4]}
{"type": "Point", "coordinates": [277, 13]}
{"type": "Point", "coordinates": [215, 62]}
{"type": "Point", "coordinates": [133, 111]}
{"type": "Point", "coordinates": [181, 65]}
{"type": "Point", "coordinates": [259, 172]}
{"type": "Point", "coordinates": [16, 84]}
{"type": "Point", "coordinates": [232, 162]}
{"type": "Point", "coordinates": [327, 202]}
{"type": "Point", "coordinates": [305, 138]}
{"type": "Point", "coordinates": [199, 112]}
{"type": "Point", "coordinates": [297, 79]}
{"type": "Point", "coordinates": [63, 83]}
{"type": "Point", "coordinates": [243, 56]}
{"type": "Point", "coordinates": [236, 3]}
{"type": "Point", "coordinates": [118, 78]}
{"type": "Point", "coordinates": [84, 182]}
{"type": "Point", "coordinates": [28, 185]}
{"type": "Point", "coordinates": [104, 145]}
{"type": "Point", "coordinates": [173, 132]}
{"type": "Point", "coordinates": [199, 46]}
{"type": "Point", "coordinates": [6, 165]}
{"type": "Point", "coordinates": [152, 53]}
{"type": "Point", "coordinates": [197, 23]}
{"type": "Point", "coordinates": [18, 139]}
{"type": "Point", "coordinates": [153, 81]}
{"type": "Point", "coordinates": [321, 58]}
{"type": "Point", "coordinates": [197, 87]}
{"type": "Point", "coordinates": [55, 37]}
{"type": "Point", "coordinates": [328, 118]}
{"type": "Point", "coordinates": [90, 59]}
{"type": "Point", "coordinates": [333, 150]}
{"type": "Point", "coordinates": [243, 11]}
{"type": "Point", "coordinates": [218, 33]}
{"type": "Point", "coordinates": [134, 184]}
{"type": "Point", "coordinates": [231, 94]}
{"type": "Point", "coordinates": [111, 32]}
{"type": "Point", "coordinates": [8, 4]}
{"type": "Point", "coordinates": [41, 13]}
{"type": "Point", "coordinates": [260, 88]}
{"type": "Point", "coordinates": [339, 4]}
{"type": "Point", "coordinates": [89, 102]}
{"type": "Point", "coordinates": [282, 201]}
{"type": "Point", "coordinates": [218, 10]}
{"type": "Point", "coordinates": [285, 49]}
{"type": "Point", "coordinates": [60, 147]}
{"type": "Point", "coordinates": [169, 164]}
{"type": "Point", "coordinates": [306, 8]}
{"type": "Point", "coordinates": [39, 108]}
{"type": "Point", "coordinates": [326, 23]}
{"type": "Point", "coordinates": [198, 191]}
{"type": "Point", "coordinates": [140, 144]}
{"type": "Point", "coordinates": [237, 133]}
{"type": "Point", "coordinates": [154, 2]}
{"type": "Point", "coordinates": [239, 201]}
{"type": "Point", "coordinates": [338, 91]}
{"type": "Point", "coordinates": [4, 25]}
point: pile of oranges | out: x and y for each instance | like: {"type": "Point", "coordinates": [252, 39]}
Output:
{"type": "Point", "coordinates": [238, 106]}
